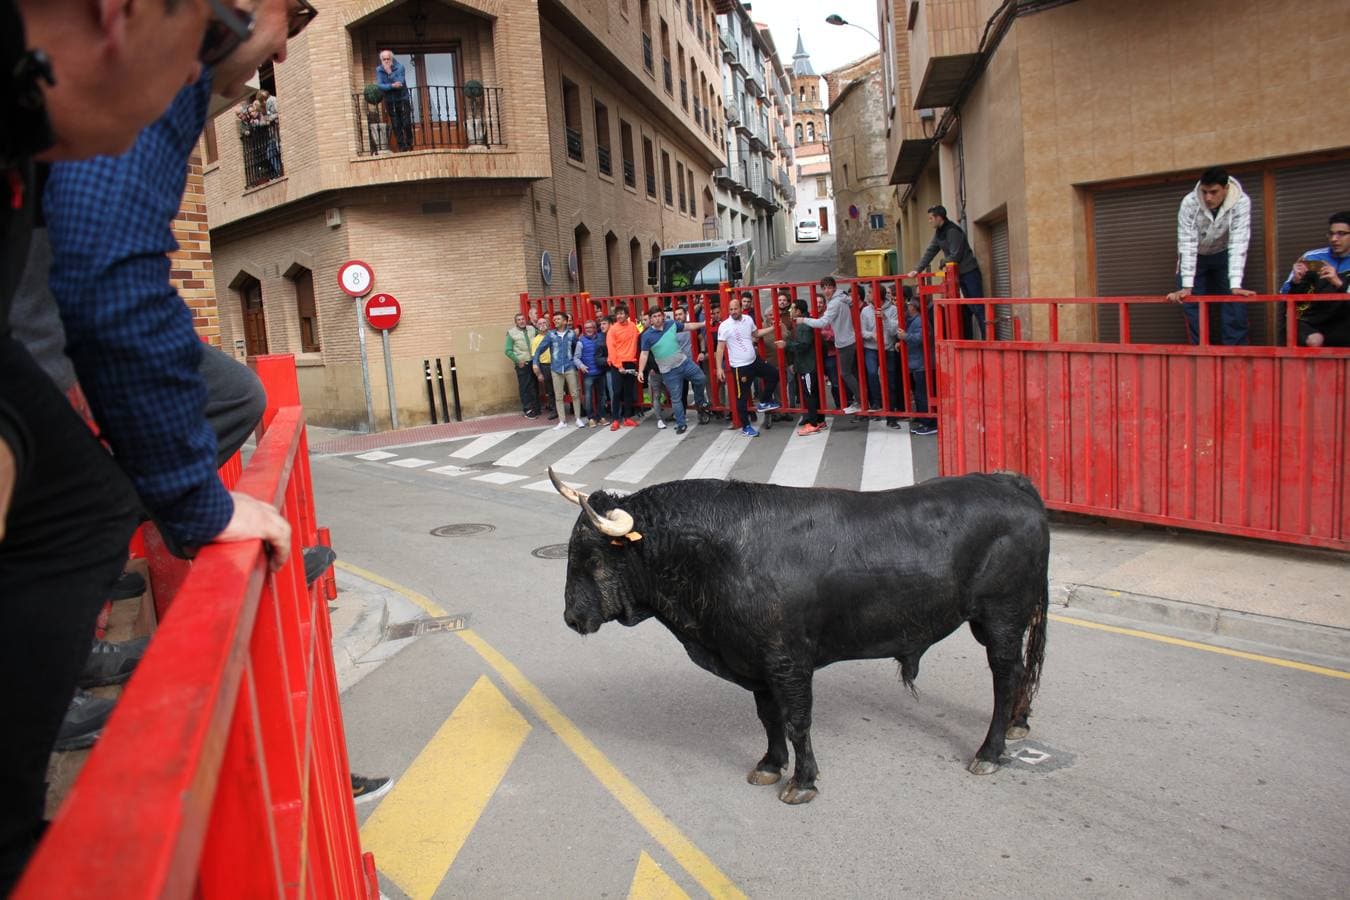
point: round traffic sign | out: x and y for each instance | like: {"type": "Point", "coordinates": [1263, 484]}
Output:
{"type": "Point", "coordinates": [383, 311]}
{"type": "Point", "coordinates": [546, 267]}
{"type": "Point", "coordinates": [355, 278]}
{"type": "Point", "coordinates": [572, 264]}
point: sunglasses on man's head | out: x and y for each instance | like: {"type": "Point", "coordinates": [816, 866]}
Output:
{"type": "Point", "coordinates": [299, 18]}
{"type": "Point", "coordinates": [230, 27]}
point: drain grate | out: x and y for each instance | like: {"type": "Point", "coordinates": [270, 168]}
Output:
{"type": "Point", "coordinates": [425, 626]}
{"type": "Point", "coordinates": [463, 529]}
{"type": "Point", "coordinates": [551, 551]}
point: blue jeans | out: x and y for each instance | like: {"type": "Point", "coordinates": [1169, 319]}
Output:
{"type": "Point", "coordinates": [872, 362]}
{"type": "Point", "coordinates": [972, 285]}
{"type": "Point", "coordinates": [675, 380]}
{"type": "Point", "coordinates": [595, 395]}
{"type": "Point", "coordinates": [1211, 280]}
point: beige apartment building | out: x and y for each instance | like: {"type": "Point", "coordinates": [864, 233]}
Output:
{"type": "Point", "coordinates": [865, 208]}
{"type": "Point", "coordinates": [810, 139]}
{"type": "Point", "coordinates": [563, 127]}
{"type": "Point", "coordinates": [1063, 136]}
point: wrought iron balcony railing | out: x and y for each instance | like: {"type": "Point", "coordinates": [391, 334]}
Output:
{"type": "Point", "coordinates": [433, 117]}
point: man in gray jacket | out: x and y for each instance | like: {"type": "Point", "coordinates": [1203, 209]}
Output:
{"type": "Point", "coordinates": [1214, 226]}
{"type": "Point", "coordinates": [838, 316]}
{"type": "Point", "coordinates": [951, 240]}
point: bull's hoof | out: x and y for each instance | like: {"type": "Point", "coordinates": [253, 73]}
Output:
{"type": "Point", "coordinates": [793, 795]}
{"type": "Point", "coordinates": [764, 776]}
{"type": "Point", "coordinates": [982, 767]}
{"type": "Point", "coordinates": [1017, 732]}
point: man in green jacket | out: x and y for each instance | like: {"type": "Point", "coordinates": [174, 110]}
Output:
{"type": "Point", "coordinates": [801, 348]}
{"type": "Point", "coordinates": [519, 340]}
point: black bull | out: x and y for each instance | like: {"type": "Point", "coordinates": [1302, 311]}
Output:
{"type": "Point", "coordinates": [765, 584]}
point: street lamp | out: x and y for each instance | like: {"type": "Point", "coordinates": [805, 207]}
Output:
{"type": "Point", "coordinates": [836, 19]}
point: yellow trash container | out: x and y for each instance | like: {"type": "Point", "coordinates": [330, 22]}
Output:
{"type": "Point", "coordinates": [873, 263]}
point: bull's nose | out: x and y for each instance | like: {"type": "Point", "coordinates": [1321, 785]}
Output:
{"type": "Point", "coordinates": [570, 619]}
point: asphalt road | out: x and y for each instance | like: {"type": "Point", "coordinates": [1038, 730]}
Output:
{"type": "Point", "coordinates": [534, 762]}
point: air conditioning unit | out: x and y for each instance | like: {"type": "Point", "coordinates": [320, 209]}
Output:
{"type": "Point", "coordinates": [333, 217]}
{"type": "Point", "coordinates": [927, 114]}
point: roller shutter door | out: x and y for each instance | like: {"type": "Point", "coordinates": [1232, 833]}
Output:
{"type": "Point", "coordinates": [1135, 237]}
{"type": "Point", "coordinates": [1001, 279]}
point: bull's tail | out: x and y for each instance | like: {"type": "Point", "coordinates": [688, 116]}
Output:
{"type": "Point", "coordinates": [1033, 656]}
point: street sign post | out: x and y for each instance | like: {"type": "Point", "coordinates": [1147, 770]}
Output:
{"type": "Point", "coordinates": [355, 279]}
{"type": "Point", "coordinates": [383, 312]}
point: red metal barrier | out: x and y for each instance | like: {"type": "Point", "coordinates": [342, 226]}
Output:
{"type": "Point", "coordinates": [1248, 441]}
{"type": "Point", "coordinates": [223, 771]}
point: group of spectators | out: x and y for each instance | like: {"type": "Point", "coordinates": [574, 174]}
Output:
{"type": "Point", "coordinates": [85, 294]}
{"type": "Point", "coordinates": [604, 366]}
{"type": "Point", "coordinates": [256, 118]}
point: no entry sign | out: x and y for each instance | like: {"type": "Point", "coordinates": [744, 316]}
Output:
{"type": "Point", "coordinates": [383, 311]}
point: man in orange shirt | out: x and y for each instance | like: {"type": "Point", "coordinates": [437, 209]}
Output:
{"type": "Point", "coordinates": [621, 341]}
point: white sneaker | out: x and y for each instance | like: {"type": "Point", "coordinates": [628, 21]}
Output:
{"type": "Point", "coordinates": [851, 409]}
{"type": "Point", "coordinates": [581, 423]}
{"type": "Point", "coordinates": [560, 426]}
{"type": "Point", "coordinates": [660, 422]}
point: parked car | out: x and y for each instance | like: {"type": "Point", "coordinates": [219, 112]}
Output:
{"type": "Point", "coordinates": [808, 231]}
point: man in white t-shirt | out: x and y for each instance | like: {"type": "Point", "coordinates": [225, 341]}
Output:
{"type": "Point", "coordinates": [736, 338]}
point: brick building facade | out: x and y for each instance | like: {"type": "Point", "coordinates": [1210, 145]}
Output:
{"type": "Point", "coordinates": [534, 128]}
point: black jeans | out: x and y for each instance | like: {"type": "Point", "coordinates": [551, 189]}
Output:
{"type": "Point", "coordinates": [70, 518]}
{"type": "Point", "coordinates": [972, 285]}
{"type": "Point", "coordinates": [810, 390]}
{"type": "Point", "coordinates": [623, 392]}
{"type": "Point", "coordinates": [528, 388]}
{"type": "Point", "coordinates": [744, 378]}
{"type": "Point", "coordinates": [400, 121]}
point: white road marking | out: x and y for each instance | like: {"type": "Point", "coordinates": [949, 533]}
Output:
{"type": "Point", "coordinates": [719, 459]}
{"type": "Point", "coordinates": [411, 462]}
{"type": "Point", "coordinates": [376, 455]}
{"type": "Point", "coordinates": [533, 447]}
{"type": "Point", "coordinates": [452, 471]}
{"type": "Point", "coordinates": [800, 460]}
{"type": "Point", "coordinates": [640, 462]}
{"type": "Point", "coordinates": [591, 448]}
{"type": "Point", "coordinates": [501, 477]}
{"type": "Point", "coordinates": [888, 461]}
{"type": "Point", "coordinates": [481, 444]}
{"type": "Point", "coordinates": [547, 486]}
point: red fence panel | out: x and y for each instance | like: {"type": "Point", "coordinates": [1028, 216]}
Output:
{"type": "Point", "coordinates": [1248, 441]}
{"type": "Point", "coordinates": [223, 770]}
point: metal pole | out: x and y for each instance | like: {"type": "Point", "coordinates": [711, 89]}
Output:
{"type": "Point", "coordinates": [365, 366]}
{"type": "Point", "coordinates": [389, 379]}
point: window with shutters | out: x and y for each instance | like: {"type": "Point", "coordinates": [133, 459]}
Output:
{"type": "Point", "coordinates": [1000, 281]}
{"type": "Point", "coordinates": [303, 280]}
{"type": "Point", "coordinates": [1134, 241]}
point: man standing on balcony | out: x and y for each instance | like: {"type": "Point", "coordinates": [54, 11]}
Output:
{"type": "Point", "coordinates": [1214, 226]}
{"type": "Point", "coordinates": [392, 79]}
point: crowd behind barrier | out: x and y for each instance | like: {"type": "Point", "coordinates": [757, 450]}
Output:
{"type": "Point", "coordinates": [223, 770]}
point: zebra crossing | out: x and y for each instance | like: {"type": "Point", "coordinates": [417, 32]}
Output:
{"type": "Point", "coordinates": [858, 455]}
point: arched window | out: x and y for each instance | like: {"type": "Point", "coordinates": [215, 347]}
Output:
{"type": "Point", "coordinates": [810, 132]}
{"type": "Point", "coordinates": [798, 130]}
{"type": "Point", "coordinates": [303, 280]}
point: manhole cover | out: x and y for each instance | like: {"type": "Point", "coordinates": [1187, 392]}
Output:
{"type": "Point", "coordinates": [424, 626]}
{"type": "Point", "coordinates": [552, 551]}
{"type": "Point", "coordinates": [463, 529]}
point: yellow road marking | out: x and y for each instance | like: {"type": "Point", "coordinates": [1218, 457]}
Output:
{"type": "Point", "coordinates": [651, 883]}
{"type": "Point", "coordinates": [652, 820]}
{"type": "Point", "coordinates": [1208, 648]}
{"type": "Point", "coordinates": [419, 828]}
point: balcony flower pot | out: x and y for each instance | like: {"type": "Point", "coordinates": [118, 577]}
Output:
{"type": "Point", "coordinates": [475, 128]}
{"type": "Point", "coordinates": [374, 96]}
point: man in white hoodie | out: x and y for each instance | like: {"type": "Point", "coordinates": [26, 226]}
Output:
{"type": "Point", "coordinates": [1214, 226]}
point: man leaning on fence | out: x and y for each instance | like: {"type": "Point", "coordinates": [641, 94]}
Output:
{"type": "Point", "coordinates": [1325, 270]}
{"type": "Point", "coordinates": [951, 240]}
{"type": "Point", "coordinates": [1214, 226]}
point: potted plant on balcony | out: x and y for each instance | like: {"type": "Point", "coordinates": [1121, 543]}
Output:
{"type": "Point", "coordinates": [476, 128]}
{"type": "Point", "coordinates": [377, 129]}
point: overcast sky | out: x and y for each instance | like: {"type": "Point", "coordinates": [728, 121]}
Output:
{"type": "Point", "coordinates": [830, 46]}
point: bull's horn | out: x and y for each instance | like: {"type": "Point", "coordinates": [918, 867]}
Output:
{"type": "Point", "coordinates": [568, 493]}
{"type": "Point", "coordinates": [615, 523]}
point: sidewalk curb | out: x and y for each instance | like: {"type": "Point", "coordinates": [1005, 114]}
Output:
{"type": "Point", "coordinates": [1209, 621]}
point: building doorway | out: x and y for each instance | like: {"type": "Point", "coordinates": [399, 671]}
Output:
{"type": "Point", "coordinates": [434, 80]}
{"type": "Point", "coordinates": [255, 320]}
{"type": "Point", "coordinates": [824, 220]}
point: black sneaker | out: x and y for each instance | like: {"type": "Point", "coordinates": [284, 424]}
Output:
{"type": "Point", "coordinates": [892, 423]}
{"type": "Point", "coordinates": [83, 723]}
{"type": "Point", "coordinates": [127, 586]}
{"type": "Point", "coordinates": [531, 413]}
{"type": "Point", "coordinates": [112, 663]}
{"type": "Point", "coordinates": [553, 414]}
{"type": "Point", "coordinates": [923, 428]}
{"type": "Point", "coordinates": [366, 789]}
{"type": "Point", "coordinates": [681, 429]}
{"type": "Point", "coordinates": [317, 561]}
